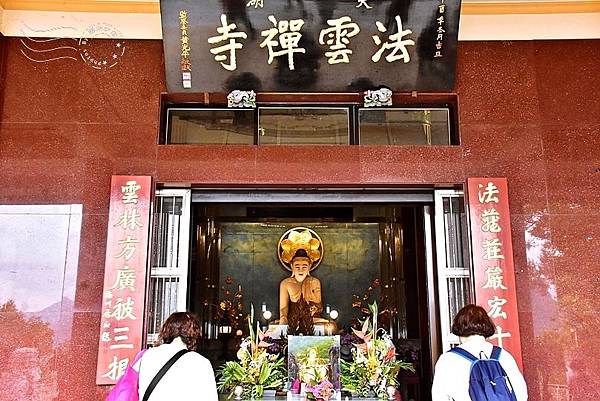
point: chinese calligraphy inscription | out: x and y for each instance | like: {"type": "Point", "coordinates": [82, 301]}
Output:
{"type": "Point", "coordinates": [289, 35]}
{"type": "Point", "coordinates": [124, 286]}
{"type": "Point", "coordinates": [493, 260]}
{"type": "Point", "coordinates": [230, 37]}
{"type": "Point", "coordinates": [186, 64]}
{"type": "Point", "coordinates": [284, 39]}
{"type": "Point", "coordinates": [271, 46]}
{"type": "Point", "coordinates": [337, 38]}
{"type": "Point", "coordinates": [441, 21]}
{"type": "Point", "coordinates": [395, 43]}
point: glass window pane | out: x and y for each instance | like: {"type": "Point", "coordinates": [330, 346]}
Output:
{"type": "Point", "coordinates": [210, 126]}
{"type": "Point", "coordinates": [303, 126]}
{"type": "Point", "coordinates": [404, 126]}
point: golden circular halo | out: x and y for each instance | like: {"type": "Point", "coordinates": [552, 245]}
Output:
{"type": "Point", "coordinates": [300, 238]}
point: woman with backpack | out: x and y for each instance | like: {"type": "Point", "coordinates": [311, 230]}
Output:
{"type": "Point", "coordinates": [477, 370]}
{"type": "Point", "coordinates": [173, 371]}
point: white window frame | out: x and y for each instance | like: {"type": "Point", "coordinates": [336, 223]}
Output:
{"type": "Point", "coordinates": [449, 340]}
{"type": "Point", "coordinates": [178, 270]}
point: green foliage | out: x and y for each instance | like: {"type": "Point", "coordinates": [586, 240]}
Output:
{"type": "Point", "coordinates": [256, 370]}
{"type": "Point", "coordinates": [254, 377]}
{"type": "Point", "coordinates": [374, 366]}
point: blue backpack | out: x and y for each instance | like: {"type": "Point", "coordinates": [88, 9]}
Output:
{"type": "Point", "coordinates": [488, 380]}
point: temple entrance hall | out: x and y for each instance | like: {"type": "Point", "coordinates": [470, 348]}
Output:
{"type": "Point", "coordinates": [361, 248]}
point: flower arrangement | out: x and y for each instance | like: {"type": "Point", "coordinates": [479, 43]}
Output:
{"type": "Point", "coordinates": [256, 369]}
{"type": "Point", "coordinates": [322, 391]}
{"type": "Point", "coordinates": [374, 366]}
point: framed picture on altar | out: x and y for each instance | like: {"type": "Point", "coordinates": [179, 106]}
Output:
{"type": "Point", "coordinates": [314, 362]}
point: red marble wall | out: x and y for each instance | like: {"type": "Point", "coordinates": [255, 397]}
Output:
{"type": "Point", "coordinates": [529, 111]}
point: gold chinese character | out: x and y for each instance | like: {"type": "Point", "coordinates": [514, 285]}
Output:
{"type": "Point", "coordinates": [488, 193]}
{"type": "Point", "coordinates": [442, 8]}
{"type": "Point", "coordinates": [130, 192]}
{"type": "Point", "coordinates": [492, 249]}
{"type": "Point", "coordinates": [185, 51]}
{"type": "Point", "coordinates": [116, 368]}
{"type": "Point", "coordinates": [129, 219]}
{"type": "Point", "coordinates": [490, 218]}
{"type": "Point", "coordinates": [289, 39]}
{"type": "Point", "coordinates": [500, 335]}
{"type": "Point", "coordinates": [395, 43]}
{"type": "Point", "coordinates": [228, 35]}
{"type": "Point", "coordinates": [496, 305]}
{"type": "Point", "coordinates": [122, 310]}
{"type": "Point", "coordinates": [183, 15]}
{"type": "Point", "coordinates": [363, 3]}
{"type": "Point", "coordinates": [125, 279]}
{"type": "Point", "coordinates": [440, 20]}
{"type": "Point", "coordinates": [129, 248]}
{"type": "Point", "coordinates": [494, 278]}
{"type": "Point", "coordinates": [336, 38]}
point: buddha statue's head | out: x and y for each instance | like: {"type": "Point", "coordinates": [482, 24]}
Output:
{"type": "Point", "coordinates": [301, 264]}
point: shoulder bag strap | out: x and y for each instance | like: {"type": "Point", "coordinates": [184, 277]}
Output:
{"type": "Point", "coordinates": [496, 353]}
{"type": "Point", "coordinates": [162, 372]}
{"type": "Point", "coordinates": [465, 354]}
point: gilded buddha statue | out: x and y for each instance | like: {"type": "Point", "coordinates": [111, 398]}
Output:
{"type": "Point", "coordinates": [300, 295]}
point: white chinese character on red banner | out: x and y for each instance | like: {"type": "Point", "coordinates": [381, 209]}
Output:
{"type": "Point", "coordinates": [130, 192]}
{"type": "Point", "coordinates": [129, 248]}
{"type": "Point", "coordinates": [121, 310]}
{"type": "Point", "coordinates": [116, 368]}
{"type": "Point", "coordinates": [500, 335]}
{"type": "Point", "coordinates": [121, 337]}
{"type": "Point", "coordinates": [125, 279]}
{"type": "Point", "coordinates": [490, 219]}
{"type": "Point", "coordinates": [494, 278]}
{"type": "Point", "coordinates": [496, 305]}
{"type": "Point", "coordinates": [488, 193]}
{"type": "Point", "coordinates": [492, 249]}
{"type": "Point", "coordinates": [129, 219]}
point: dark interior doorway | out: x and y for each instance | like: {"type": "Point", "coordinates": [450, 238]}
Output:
{"type": "Point", "coordinates": [234, 244]}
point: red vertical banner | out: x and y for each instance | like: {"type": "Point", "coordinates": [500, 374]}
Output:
{"type": "Point", "coordinates": [124, 276]}
{"type": "Point", "coordinates": [494, 268]}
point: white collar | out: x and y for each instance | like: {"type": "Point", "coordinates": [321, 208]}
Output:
{"type": "Point", "coordinates": [473, 339]}
{"type": "Point", "coordinates": [178, 342]}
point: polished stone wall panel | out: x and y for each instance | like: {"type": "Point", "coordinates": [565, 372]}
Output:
{"type": "Point", "coordinates": [529, 111]}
